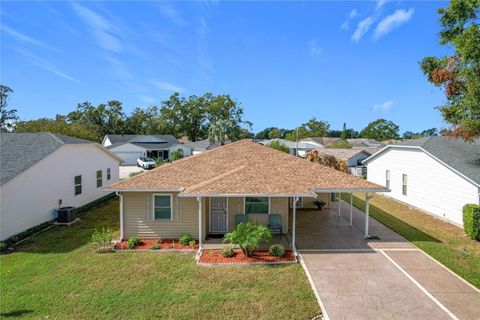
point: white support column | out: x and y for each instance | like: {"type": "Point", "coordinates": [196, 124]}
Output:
{"type": "Point", "coordinates": [367, 209]}
{"type": "Point", "coordinates": [351, 208]}
{"type": "Point", "coordinates": [121, 215]}
{"type": "Point", "coordinates": [294, 218]}
{"type": "Point", "coordinates": [200, 226]}
{"type": "Point", "coordinates": [339, 204]}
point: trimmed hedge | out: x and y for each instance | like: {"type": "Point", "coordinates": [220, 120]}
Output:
{"type": "Point", "coordinates": [471, 220]}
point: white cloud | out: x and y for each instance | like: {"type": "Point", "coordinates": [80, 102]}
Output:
{"type": "Point", "coordinates": [387, 105]}
{"type": "Point", "coordinates": [381, 3]}
{"type": "Point", "coordinates": [105, 32]}
{"type": "Point", "coordinates": [362, 28]}
{"type": "Point", "coordinates": [47, 65]}
{"type": "Point", "coordinates": [351, 15]}
{"type": "Point", "coordinates": [393, 21]}
{"type": "Point", "coordinates": [167, 86]}
{"type": "Point", "coordinates": [172, 14]}
{"type": "Point", "coordinates": [315, 49]}
{"type": "Point", "coordinates": [20, 37]}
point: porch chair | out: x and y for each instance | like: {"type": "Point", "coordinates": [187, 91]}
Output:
{"type": "Point", "coordinates": [239, 218]}
{"type": "Point", "coordinates": [275, 223]}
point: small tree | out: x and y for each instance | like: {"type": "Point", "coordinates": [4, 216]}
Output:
{"type": "Point", "coordinates": [7, 117]}
{"type": "Point", "coordinates": [278, 145]}
{"type": "Point", "coordinates": [248, 236]}
{"type": "Point", "coordinates": [176, 155]}
{"type": "Point", "coordinates": [380, 129]}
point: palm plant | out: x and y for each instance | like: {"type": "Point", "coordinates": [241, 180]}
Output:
{"type": "Point", "coordinates": [248, 236]}
{"type": "Point", "coordinates": [221, 130]}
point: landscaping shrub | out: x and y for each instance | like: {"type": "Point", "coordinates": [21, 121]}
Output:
{"type": "Point", "coordinates": [192, 244]}
{"type": "Point", "coordinates": [3, 246]}
{"type": "Point", "coordinates": [133, 242]}
{"type": "Point", "coordinates": [227, 252]}
{"type": "Point", "coordinates": [277, 250]}
{"type": "Point", "coordinates": [133, 174]}
{"type": "Point", "coordinates": [248, 236]}
{"type": "Point", "coordinates": [159, 240]}
{"type": "Point", "coordinates": [102, 240]}
{"type": "Point", "coordinates": [155, 247]}
{"type": "Point", "coordinates": [176, 155]}
{"type": "Point", "coordinates": [471, 220]}
{"type": "Point", "coordinates": [185, 239]}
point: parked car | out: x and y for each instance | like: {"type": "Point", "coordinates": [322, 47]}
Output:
{"type": "Point", "coordinates": [146, 162]}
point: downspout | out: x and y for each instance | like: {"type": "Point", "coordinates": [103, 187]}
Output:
{"type": "Point", "coordinates": [121, 214]}
{"type": "Point", "coordinates": [295, 199]}
{"type": "Point", "coordinates": [200, 227]}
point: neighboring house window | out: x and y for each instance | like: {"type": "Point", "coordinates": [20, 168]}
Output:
{"type": "Point", "coordinates": [256, 205]}
{"type": "Point", "coordinates": [99, 178]}
{"type": "Point", "coordinates": [404, 184]}
{"type": "Point", "coordinates": [162, 207]}
{"type": "Point", "coordinates": [78, 184]}
{"type": "Point", "coordinates": [108, 174]}
{"type": "Point", "coordinates": [387, 179]}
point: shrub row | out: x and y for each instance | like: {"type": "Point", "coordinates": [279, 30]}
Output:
{"type": "Point", "coordinates": [471, 220]}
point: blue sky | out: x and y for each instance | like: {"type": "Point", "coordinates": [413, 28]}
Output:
{"type": "Point", "coordinates": [284, 61]}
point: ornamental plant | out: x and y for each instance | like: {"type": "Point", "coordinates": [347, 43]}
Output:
{"type": "Point", "coordinates": [471, 220]}
{"type": "Point", "coordinates": [185, 239]}
{"type": "Point", "coordinates": [248, 236]}
{"type": "Point", "coordinates": [102, 240]}
{"type": "Point", "coordinates": [133, 242]}
{"type": "Point", "coordinates": [227, 252]}
{"type": "Point", "coordinates": [276, 250]}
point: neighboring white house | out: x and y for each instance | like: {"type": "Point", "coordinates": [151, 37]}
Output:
{"type": "Point", "coordinates": [296, 148]}
{"type": "Point", "coordinates": [436, 174]}
{"type": "Point", "coordinates": [130, 147]}
{"type": "Point", "coordinates": [42, 171]}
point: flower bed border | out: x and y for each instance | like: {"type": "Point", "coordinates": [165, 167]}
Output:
{"type": "Point", "coordinates": [184, 249]}
{"type": "Point", "coordinates": [243, 263]}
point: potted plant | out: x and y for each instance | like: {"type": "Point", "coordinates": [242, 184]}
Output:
{"type": "Point", "coordinates": [320, 204]}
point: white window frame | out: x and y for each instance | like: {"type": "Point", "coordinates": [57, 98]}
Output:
{"type": "Point", "coordinates": [387, 179]}
{"type": "Point", "coordinates": [97, 179]}
{"type": "Point", "coordinates": [171, 206]}
{"type": "Point", "coordinates": [75, 185]}
{"type": "Point", "coordinates": [269, 204]}
{"type": "Point", "coordinates": [404, 184]}
{"type": "Point", "coordinates": [109, 173]}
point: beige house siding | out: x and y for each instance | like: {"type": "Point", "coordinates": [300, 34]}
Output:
{"type": "Point", "coordinates": [138, 217]}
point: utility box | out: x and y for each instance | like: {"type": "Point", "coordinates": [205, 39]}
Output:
{"type": "Point", "coordinates": [66, 214]}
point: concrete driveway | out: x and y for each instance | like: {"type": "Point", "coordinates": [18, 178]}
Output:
{"type": "Point", "coordinates": [387, 278]}
{"type": "Point", "coordinates": [124, 171]}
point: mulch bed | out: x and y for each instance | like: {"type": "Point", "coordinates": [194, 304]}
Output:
{"type": "Point", "coordinates": [214, 257]}
{"type": "Point", "coordinates": [147, 244]}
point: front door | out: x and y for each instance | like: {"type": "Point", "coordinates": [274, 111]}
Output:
{"type": "Point", "coordinates": [218, 215]}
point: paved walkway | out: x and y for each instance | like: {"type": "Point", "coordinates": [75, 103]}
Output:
{"type": "Point", "coordinates": [387, 278]}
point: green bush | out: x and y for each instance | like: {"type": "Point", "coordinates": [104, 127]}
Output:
{"type": "Point", "coordinates": [133, 174]}
{"type": "Point", "coordinates": [159, 240]}
{"type": "Point", "coordinates": [248, 236]}
{"type": "Point", "coordinates": [192, 244]}
{"type": "Point", "coordinates": [155, 247]}
{"type": "Point", "coordinates": [102, 241]}
{"type": "Point", "coordinates": [185, 239]}
{"type": "Point", "coordinates": [227, 252]}
{"type": "Point", "coordinates": [277, 250]}
{"type": "Point", "coordinates": [3, 246]}
{"type": "Point", "coordinates": [176, 155]}
{"type": "Point", "coordinates": [134, 242]}
{"type": "Point", "coordinates": [471, 220]}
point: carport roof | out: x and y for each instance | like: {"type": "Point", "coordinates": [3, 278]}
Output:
{"type": "Point", "coordinates": [245, 168]}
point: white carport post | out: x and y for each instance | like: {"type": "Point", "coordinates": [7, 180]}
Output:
{"type": "Point", "coordinates": [121, 215]}
{"type": "Point", "coordinates": [367, 209]}
{"type": "Point", "coordinates": [200, 226]}
{"type": "Point", "coordinates": [294, 218]}
{"type": "Point", "coordinates": [351, 208]}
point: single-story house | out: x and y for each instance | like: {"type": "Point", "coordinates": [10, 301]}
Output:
{"type": "Point", "coordinates": [43, 171]}
{"type": "Point", "coordinates": [203, 145]}
{"type": "Point", "coordinates": [365, 143]}
{"type": "Point", "coordinates": [131, 147]}
{"type": "Point", "coordinates": [353, 158]}
{"type": "Point", "coordinates": [209, 192]}
{"type": "Point", "coordinates": [296, 148]}
{"type": "Point", "coordinates": [436, 174]}
{"type": "Point", "coordinates": [320, 142]}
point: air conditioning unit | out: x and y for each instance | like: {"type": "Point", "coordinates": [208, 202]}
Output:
{"type": "Point", "coordinates": [66, 214]}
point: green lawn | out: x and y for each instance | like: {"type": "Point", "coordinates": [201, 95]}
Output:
{"type": "Point", "coordinates": [441, 240]}
{"type": "Point", "coordinates": [56, 275]}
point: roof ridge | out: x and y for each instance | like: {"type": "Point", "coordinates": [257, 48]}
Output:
{"type": "Point", "coordinates": [56, 138]}
{"type": "Point", "coordinates": [216, 178]}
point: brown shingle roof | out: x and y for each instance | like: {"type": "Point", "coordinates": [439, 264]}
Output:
{"type": "Point", "coordinates": [244, 168]}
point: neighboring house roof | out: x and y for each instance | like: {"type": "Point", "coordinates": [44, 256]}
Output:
{"type": "Point", "coordinates": [244, 168]}
{"type": "Point", "coordinates": [360, 143]}
{"type": "Point", "coordinates": [291, 144]}
{"type": "Point", "coordinates": [343, 154]}
{"type": "Point", "coordinates": [20, 151]}
{"type": "Point", "coordinates": [151, 142]}
{"type": "Point", "coordinates": [204, 145]}
{"type": "Point", "coordinates": [461, 156]}
{"type": "Point", "coordinates": [324, 141]}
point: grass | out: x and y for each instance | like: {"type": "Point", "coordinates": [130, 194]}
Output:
{"type": "Point", "coordinates": [443, 241]}
{"type": "Point", "coordinates": [57, 275]}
